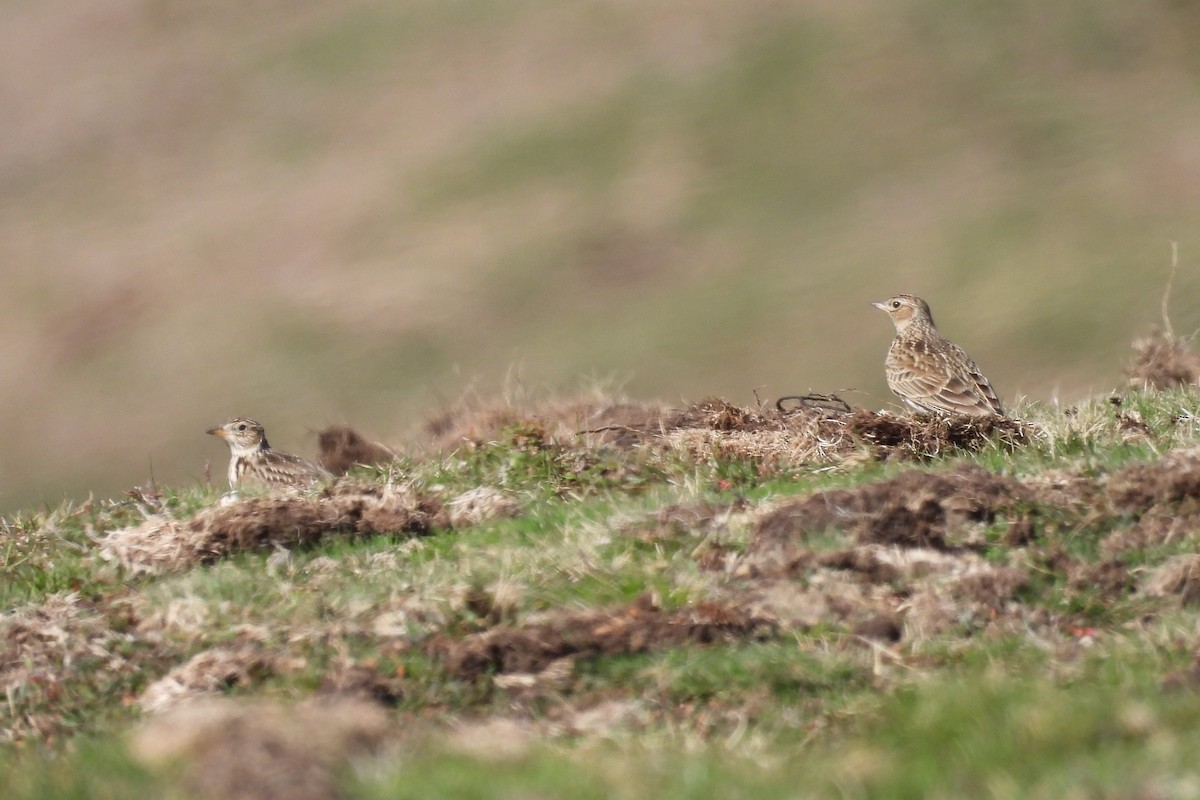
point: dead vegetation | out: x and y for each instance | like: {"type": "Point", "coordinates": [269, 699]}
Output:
{"type": "Point", "coordinates": [1162, 361]}
{"type": "Point", "coordinates": [636, 628]}
{"type": "Point", "coordinates": [273, 521]}
{"type": "Point", "coordinates": [44, 647]}
{"type": "Point", "coordinates": [909, 571]}
{"type": "Point", "coordinates": [479, 505]}
{"type": "Point", "coordinates": [914, 509]}
{"type": "Point", "coordinates": [1160, 498]}
{"type": "Point", "coordinates": [1171, 481]}
{"type": "Point", "coordinates": [904, 566]}
{"type": "Point", "coordinates": [774, 438]}
{"type": "Point", "coordinates": [471, 425]}
{"type": "Point", "coordinates": [911, 565]}
{"type": "Point", "coordinates": [205, 674]}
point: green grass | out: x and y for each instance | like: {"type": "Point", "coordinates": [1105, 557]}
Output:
{"type": "Point", "coordinates": [1058, 690]}
{"type": "Point", "coordinates": [977, 733]}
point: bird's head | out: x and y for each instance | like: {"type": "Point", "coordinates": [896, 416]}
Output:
{"type": "Point", "coordinates": [242, 435]}
{"type": "Point", "coordinates": [906, 310]}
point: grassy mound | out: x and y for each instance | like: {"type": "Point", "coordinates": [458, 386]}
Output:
{"type": "Point", "coordinates": [622, 599]}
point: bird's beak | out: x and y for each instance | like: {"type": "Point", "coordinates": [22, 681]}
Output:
{"type": "Point", "coordinates": [882, 306]}
{"type": "Point", "coordinates": [217, 432]}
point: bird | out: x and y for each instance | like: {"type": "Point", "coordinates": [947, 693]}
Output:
{"type": "Point", "coordinates": [252, 462]}
{"type": "Point", "coordinates": [931, 374]}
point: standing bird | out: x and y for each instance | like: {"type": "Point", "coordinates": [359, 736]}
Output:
{"type": "Point", "coordinates": [928, 371]}
{"type": "Point", "coordinates": [252, 462]}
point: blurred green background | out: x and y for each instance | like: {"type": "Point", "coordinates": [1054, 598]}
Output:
{"type": "Point", "coordinates": [333, 211]}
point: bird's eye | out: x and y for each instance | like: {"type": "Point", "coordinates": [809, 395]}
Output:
{"type": "Point", "coordinates": [895, 304]}
{"type": "Point", "coordinates": [242, 427]}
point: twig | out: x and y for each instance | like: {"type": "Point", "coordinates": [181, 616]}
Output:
{"type": "Point", "coordinates": [1166, 298]}
{"type": "Point", "coordinates": [608, 428]}
{"type": "Point", "coordinates": [815, 402]}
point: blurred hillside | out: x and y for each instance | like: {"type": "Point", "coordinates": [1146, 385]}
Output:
{"type": "Point", "coordinates": [338, 211]}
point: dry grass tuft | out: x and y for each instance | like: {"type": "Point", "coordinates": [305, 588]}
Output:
{"type": "Point", "coordinates": [924, 437]}
{"type": "Point", "coordinates": [636, 628]}
{"type": "Point", "coordinates": [683, 520]}
{"type": "Point", "coordinates": [43, 647]}
{"type": "Point", "coordinates": [1163, 497]}
{"type": "Point", "coordinates": [278, 520]}
{"type": "Point", "coordinates": [362, 680]}
{"type": "Point", "coordinates": [824, 597]}
{"type": "Point", "coordinates": [158, 544]}
{"type": "Point", "coordinates": [1075, 495]}
{"type": "Point", "coordinates": [1179, 576]}
{"type": "Point", "coordinates": [714, 429]}
{"type": "Point", "coordinates": [479, 505]}
{"type": "Point", "coordinates": [1161, 361]}
{"type": "Point", "coordinates": [257, 750]}
{"type": "Point", "coordinates": [819, 435]}
{"type": "Point", "coordinates": [205, 674]}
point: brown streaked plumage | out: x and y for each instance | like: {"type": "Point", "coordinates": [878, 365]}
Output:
{"type": "Point", "coordinates": [929, 372]}
{"type": "Point", "coordinates": [252, 462]}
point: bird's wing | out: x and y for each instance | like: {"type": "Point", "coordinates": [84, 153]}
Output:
{"type": "Point", "coordinates": [942, 380]}
{"type": "Point", "coordinates": [285, 468]}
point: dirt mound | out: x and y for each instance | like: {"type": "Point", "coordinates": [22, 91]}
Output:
{"type": "Point", "coordinates": [772, 436]}
{"type": "Point", "coordinates": [280, 520]}
{"type": "Point", "coordinates": [342, 448]}
{"type": "Point", "coordinates": [1173, 480]}
{"type": "Point", "coordinates": [914, 509]}
{"type": "Point", "coordinates": [927, 437]}
{"type": "Point", "coordinates": [911, 570]}
{"type": "Point", "coordinates": [1162, 361]}
{"type": "Point", "coordinates": [912, 556]}
{"type": "Point", "coordinates": [1161, 497]}
{"type": "Point", "coordinates": [635, 628]}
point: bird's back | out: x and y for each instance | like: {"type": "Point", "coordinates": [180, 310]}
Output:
{"type": "Point", "coordinates": [934, 375]}
{"type": "Point", "coordinates": [272, 469]}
